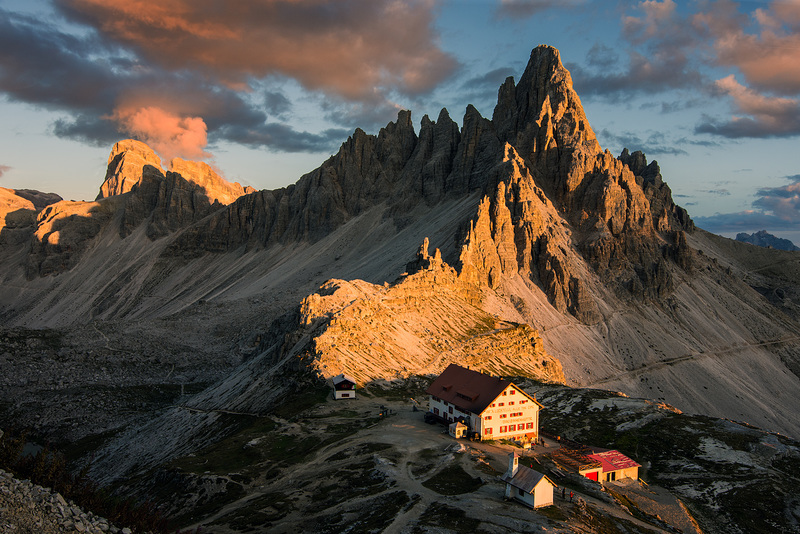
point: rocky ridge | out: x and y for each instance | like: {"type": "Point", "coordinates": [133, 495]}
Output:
{"type": "Point", "coordinates": [540, 233]}
{"type": "Point", "coordinates": [27, 507]}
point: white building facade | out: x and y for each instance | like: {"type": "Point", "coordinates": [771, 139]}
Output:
{"type": "Point", "coordinates": [492, 407]}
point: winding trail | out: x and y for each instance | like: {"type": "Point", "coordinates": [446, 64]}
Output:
{"type": "Point", "coordinates": [687, 357]}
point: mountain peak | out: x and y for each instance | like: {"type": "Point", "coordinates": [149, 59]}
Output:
{"type": "Point", "coordinates": [125, 164]}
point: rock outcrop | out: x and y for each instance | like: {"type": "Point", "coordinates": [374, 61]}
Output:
{"type": "Point", "coordinates": [126, 162]}
{"type": "Point", "coordinates": [18, 209]}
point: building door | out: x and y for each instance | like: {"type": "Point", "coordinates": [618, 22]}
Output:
{"type": "Point", "coordinates": [592, 476]}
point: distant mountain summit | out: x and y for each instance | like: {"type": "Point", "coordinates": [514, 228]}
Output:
{"type": "Point", "coordinates": [766, 240]}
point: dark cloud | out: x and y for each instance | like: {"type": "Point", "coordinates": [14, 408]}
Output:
{"type": "Point", "coordinates": [696, 142]}
{"type": "Point", "coordinates": [178, 74]}
{"type": "Point", "coordinates": [715, 192]}
{"type": "Point", "coordinates": [601, 56]}
{"type": "Point", "coordinates": [642, 74]}
{"type": "Point", "coordinates": [357, 49]}
{"type": "Point", "coordinates": [656, 143]}
{"type": "Point", "coordinates": [492, 80]}
{"type": "Point", "coordinates": [660, 57]}
{"type": "Point", "coordinates": [283, 137]}
{"type": "Point", "coordinates": [514, 9]}
{"type": "Point", "coordinates": [354, 115]}
{"type": "Point", "coordinates": [89, 129]}
{"type": "Point", "coordinates": [44, 66]}
{"type": "Point", "coordinates": [744, 221]}
{"type": "Point", "coordinates": [482, 90]}
{"type": "Point", "coordinates": [276, 103]}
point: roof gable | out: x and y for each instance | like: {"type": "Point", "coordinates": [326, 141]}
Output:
{"type": "Point", "coordinates": [467, 389]}
{"type": "Point", "coordinates": [471, 390]}
{"type": "Point", "coordinates": [526, 479]}
{"type": "Point", "coordinates": [338, 379]}
{"type": "Point", "coordinates": [613, 460]}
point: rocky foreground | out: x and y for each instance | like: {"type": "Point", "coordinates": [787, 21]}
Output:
{"type": "Point", "coordinates": [26, 507]}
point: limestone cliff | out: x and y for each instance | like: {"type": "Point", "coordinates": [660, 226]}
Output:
{"type": "Point", "coordinates": [18, 209]}
{"type": "Point", "coordinates": [125, 164]}
{"type": "Point", "coordinates": [419, 325]}
{"type": "Point", "coordinates": [136, 193]}
{"type": "Point", "coordinates": [549, 199]}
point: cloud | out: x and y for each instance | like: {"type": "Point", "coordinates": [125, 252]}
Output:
{"type": "Point", "coordinates": [4, 169]}
{"type": "Point", "coordinates": [777, 208]}
{"type": "Point", "coordinates": [656, 142]}
{"type": "Point", "coordinates": [715, 192]}
{"type": "Point", "coordinates": [285, 138]}
{"type": "Point", "coordinates": [514, 9]}
{"type": "Point", "coordinates": [769, 58]}
{"type": "Point", "coordinates": [276, 103]}
{"type": "Point", "coordinates": [353, 49]}
{"type": "Point", "coordinates": [783, 202]}
{"type": "Point", "coordinates": [87, 78]}
{"type": "Point", "coordinates": [672, 46]}
{"type": "Point", "coordinates": [87, 128]}
{"type": "Point", "coordinates": [763, 116]}
{"type": "Point", "coordinates": [743, 221]}
{"type": "Point", "coordinates": [660, 56]}
{"type": "Point", "coordinates": [660, 71]}
{"type": "Point", "coordinates": [168, 134]}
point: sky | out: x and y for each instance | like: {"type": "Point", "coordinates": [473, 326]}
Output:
{"type": "Point", "coordinates": [266, 90]}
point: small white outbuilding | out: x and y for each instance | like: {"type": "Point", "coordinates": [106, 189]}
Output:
{"type": "Point", "coordinates": [344, 387]}
{"type": "Point", "coordinates": [523, 484]}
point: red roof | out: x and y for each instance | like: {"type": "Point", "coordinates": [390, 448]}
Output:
{"type": "Point", "coordinates": [469, 390]}
{"type": "Point", "coordinates": [613, 460]}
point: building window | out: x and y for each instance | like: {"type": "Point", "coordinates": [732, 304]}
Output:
{"type": "Point", "coordinates": [491, 405]}
{"type": "Point", "coordinates": [504, 393]}
{"type": "Point", "coordinates": [512, 428]}
{"type": "Point", "coordinates": [502, 404]}
{"type": "Point", "coordinates": [488, 417]}
{"type": "Point", "coordinates": [502, 416]}
{"type": "Point", "coordinates": [529, 425]}
{"type": "Point", "coordinates": [487, 431]}
{"type": "Point", "coordinates": [511, 403]}
{"type": "Point", "coordinates": [513, 391]}
{"type": "Point", "coordinates": [523, 401]}
{"type": "Point", "coordinates": [345, 395]}
{"type": "Point", "coordinates": [450, 409]}
{"type": "Point", "coordinates": [502, 429]}
{"type": "Point", "coordinates": [436, 411]}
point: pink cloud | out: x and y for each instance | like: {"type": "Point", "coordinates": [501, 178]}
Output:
{"type": "Point", "coordinates": [4, 169]}
{"type": "Point", "coordinates": [170, 135]}
{"type": "Point", "coordinates": [356, 49]}
{"type": "Point", "coordinates": [757, 115]}
{"type": "Point", "coordinates": [657, 15]}
{"type": "Point", "coordinates": [768, 59]}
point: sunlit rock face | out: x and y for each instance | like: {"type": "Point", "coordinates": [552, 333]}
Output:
{"type": "Point", "coordinates": [125, 165]}
{"type": "Point", "coordinates": [18, 209]}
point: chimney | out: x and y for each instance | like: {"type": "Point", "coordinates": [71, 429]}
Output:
{"type": "Point", "coordinates": [513, 463]}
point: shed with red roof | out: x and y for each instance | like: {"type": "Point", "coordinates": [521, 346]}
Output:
{"type": "Point", "coordinates": [615, 465]}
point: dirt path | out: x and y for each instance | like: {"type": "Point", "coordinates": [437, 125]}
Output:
{"type": "Point", "coordinates": [412, 440]}
{"type": "Point", "coordinates": [687, 357]}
